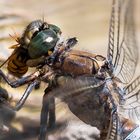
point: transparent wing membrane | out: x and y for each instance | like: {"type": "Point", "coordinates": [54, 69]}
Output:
{"type": "Point", "coordinates": [112, 31]}
{"type": "Point", "coordinates": [10, 24]}
{"type": "Point", "coordinates": [122, 49]}
{"type": "Point", "coordinates": [123, 53]}
{"type": "Point", "coordinates": [133, 86]}
{"type": "Point", "coordinates": [132, 112]}
{"type": "Point", "coordinates": [131, 106]}
{"type": "Point", "coordinates": [74, 87]}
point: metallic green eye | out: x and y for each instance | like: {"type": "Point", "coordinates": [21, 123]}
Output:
{"type": "Point", "coordinates": [55, 28]}
{"type": "Point", "coordinates": [49, 39]}
{"type": "Point", "coordinates": [44, 41]}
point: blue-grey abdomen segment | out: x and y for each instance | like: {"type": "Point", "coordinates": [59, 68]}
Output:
{"type": "Point", "coordinates": [42, 42]}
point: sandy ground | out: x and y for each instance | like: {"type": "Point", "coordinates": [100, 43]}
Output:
{"type": "Point", "coordinates": [88, 21]}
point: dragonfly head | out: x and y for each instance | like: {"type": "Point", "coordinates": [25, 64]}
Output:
{"type": "Point", "coordinates": [108, 67]}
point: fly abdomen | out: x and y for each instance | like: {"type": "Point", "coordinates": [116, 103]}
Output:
{"type": "Point", "coordinates": [17, 62]}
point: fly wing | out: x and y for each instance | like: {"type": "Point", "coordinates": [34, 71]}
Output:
{"type": "Point", "coordinates": [131, 106]}
{"type": "Point", "coordinates": [122, 49]}
{"type": "Point", "coordinates": [11, 25]}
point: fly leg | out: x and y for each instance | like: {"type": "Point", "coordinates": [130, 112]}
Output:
{"type": "Point", "coordinates": [21, 81]}
{"type": "Point", "coordinates": [27, 92]}
{"type": "Point", "coordinates": [22, 100]}
{"type": "Point", "coordinates": [44, 118]}
{"type": "Point", "coordinates": [52, 117]}
{"type": "Point", "coordinates": [25, 80]}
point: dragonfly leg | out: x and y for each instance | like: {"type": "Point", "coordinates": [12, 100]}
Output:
{"type": "Point", "coordinates": [47, 116]}
{"type": "Point", "coordinates": [44, 118]}
{"type": "Point", "coordinates": [52, 117]}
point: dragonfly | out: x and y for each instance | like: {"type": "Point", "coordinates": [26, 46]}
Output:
{"type": "Point", "coordinates": [91, 84]}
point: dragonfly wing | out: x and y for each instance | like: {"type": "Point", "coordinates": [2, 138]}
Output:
{"type": "Point", "coordinates": [122, 49]}
{"type": "Point", "coordinates": [131, 106]}
{"type": "Point", "coordinates": [71, 87]}
{"type": "Point", "coordinates": [112, 36]}
{"type": "Point", "coordinates": [131, 111]}
{"type": "Point", "coordinates": [133, 86]}
{"type": "Point", "coordinates": [82, 97]}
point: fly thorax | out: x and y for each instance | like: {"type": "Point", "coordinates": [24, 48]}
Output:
{"type": "Point", "coordinates": [30, 30]}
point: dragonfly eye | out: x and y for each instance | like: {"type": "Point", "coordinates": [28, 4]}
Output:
{"type": "Point", "coordinates": [49, 39]}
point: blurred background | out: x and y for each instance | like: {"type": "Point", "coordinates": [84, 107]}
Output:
{"type": "Point", "coordinates": [88, 21]}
